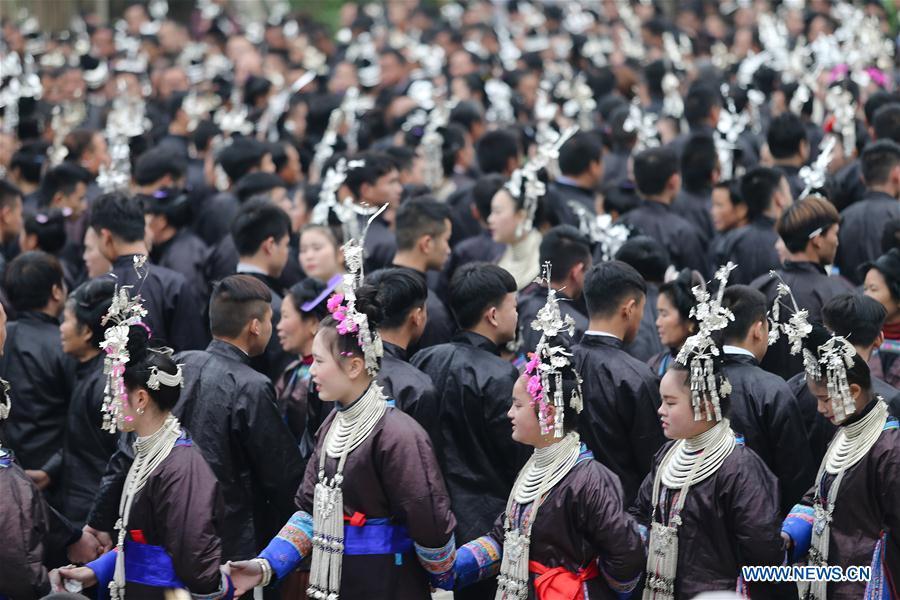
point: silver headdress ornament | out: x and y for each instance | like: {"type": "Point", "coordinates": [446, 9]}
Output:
{"type": "Point", "coordinates": [602, 231]}
{"type": "Point", "coordinates": [700, 350]}
{"type": "Point", "coordinates": [158, 377]}
{"type": "Point", "coordinates": [5, 402]}
{"type": "Point", "coordinates": [840, 102]}
{"type": "Point", "coordinates": [729, 128]}
{"type": "Point", "coordinates": [124, 311]}
{"type": "Point", "coordinates": [125, 121]}
{"type": "Point", "coordinates": [834, 356]}
{"type": "Point", "coordinates": [547, 362]}
{"type": "Point", "coordinates": [432, 143]}
{"type": "Point", "coordinates": [343, 306]}
{"type": "Point", "coordinates": [797, 327]}
{"type": "Point", "coordinates": [65, 117]}
{"type": "Point", "coordinates": [346, 211]}
{"type": "Point", "coordinates": [344, 116]}
{"type": "Point", "coordinates": [643, 124]}
{"type": "Point", "coordinates": [813, 176]}
{"type": "Point", "coordinates": [524, 182]}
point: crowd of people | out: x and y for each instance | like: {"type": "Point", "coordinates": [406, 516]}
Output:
{"type": "Point", "coordinates": [516, 300]}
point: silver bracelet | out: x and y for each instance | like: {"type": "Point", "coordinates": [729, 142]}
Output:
{"type": "Point", "coordinates": [266, 571]}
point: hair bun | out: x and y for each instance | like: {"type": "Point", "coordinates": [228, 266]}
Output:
{"type": "Point", "coordinates": [138, 342]}
{"type": "Point", "coordinates": [368, 304]}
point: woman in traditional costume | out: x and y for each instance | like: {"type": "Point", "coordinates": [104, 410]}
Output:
{"type": "Point", "coordinates": [851, 516]}
{"type": "Point", "coordinates": [373, 510]}
{"type": "Point", "coordinates": [563, 535]}
{"type": "Point", "coordinates": [302, 309]}
{"type": "Point", "coordinates": [674, 321]}
{"type": "Point", "coordinates": [167, 527]}
{"type": "Point", "coordinates": [710, 504]}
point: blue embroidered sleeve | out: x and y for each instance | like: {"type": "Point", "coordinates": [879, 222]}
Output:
{"type": "Point", "coordinates": [104, 569]}
{"type": "Point", "coordinates": [292, 543]}
{"type": "Point", "coordinates": [798, 525]}
{"type": "Point", "coordinates": [477, 560]}
{"type": "Point", "coordinates": [438, 563]}
{"type": "Point", "coordinates": [623, 589]}
{"type": "Point", "coordinates": [225, 591]}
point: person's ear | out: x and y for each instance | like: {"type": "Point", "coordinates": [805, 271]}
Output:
{"type": "Point", "coordinates": [254, 327]}
{"type": "Point", "coordinates": [85, 333]}
{"type": "Point", "coordinates": [855, 391]}
{"type": "Point", "coordinates": [425, 244]}
{"type": "Point", "coordinates": [758, 331]}
{"type": "Point", "coordinates": [268, 245]}
{"type": "Point", "coordinates": [740, 210]}
{"type": "Point", "coordinates": [29, 240]}
{"type": "Point", "coordinates": [878, 341]}
{"type": "Point", "coordinates": [364, 191]}
{"type": "Point", "coordinates": [58, 293]}
{"type": "Point", "coordinates": [355, 367]}
{"type": "Point", "coordinates": [674, 183]}
{"type": "Point", "coordinates": [491, 316]}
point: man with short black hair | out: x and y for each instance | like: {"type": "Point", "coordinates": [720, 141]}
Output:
{"type": "Point", "coordinates": [374, 184]}
{"type": "Point", "coordinates": [65, 187]}
{"type": "Point", "coordinates": [423, 230]}
{"type": "Point", "coordinates": [699, 173]}
{"type": "Point", "coordinates": [763, 409]}
{"type": "Point", "coordinates": [658, 181]}
{"type": "Point", "coordinates": [569, 252]}
{"type": "Point", "coordinates": [789, 148]}
{"type": "Point", "coordinates": [230, 410]}
{"type": "Point", "coordinates": [863, 222]}
{"type": "Point", "coordinates": [651, 260]}
{"type": "Point", "coordinates": [573, 195]}
{"type": "Point", "coordinates": [809, 230]}
{"type": "Point", "coordinates": [167, 211]}
{"type": "Point", "coordinates": [621, 395]}
{"type": "Point", "coordinates": [752, 247]}
{"type": "Point", "coordinates": [11, 221]}
{"type": "Point", "coordinates": [43, 375]}
{"type": "Point", "coordinates": [403, 296]}
{"type": "Point", "coordinates": [244, 155]}
{"type": "Point", "coordinates": [859, 319]}
{"type": "Point", "coordinates": [261, 233]}
{"type": "Point", "coordinates": [171, 304]}
{"type": "Point", "coordinates": [158, 168]}
{"type": "Point", "coordinates": [479, 459]}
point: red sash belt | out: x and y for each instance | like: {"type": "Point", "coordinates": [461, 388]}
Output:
{"type": "Point", "coordinates": [559, 583]}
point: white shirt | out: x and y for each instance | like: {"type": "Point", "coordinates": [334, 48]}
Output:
{"type": "Point", "coordinates": [245, 268]}
{"type": "Point", "coordinates": [737, 350]}
{"type": "Point", "coordinates": [605, 333]}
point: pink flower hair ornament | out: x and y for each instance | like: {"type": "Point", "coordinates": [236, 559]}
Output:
{"type": "Point", "coordinates": [547, 362]}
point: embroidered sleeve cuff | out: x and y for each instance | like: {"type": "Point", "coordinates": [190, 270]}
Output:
{"type": "Point", "coordinates": [292, 543]}
{"type": "Point", "coordinates": [438, 563]}
{"type": "Point", "coordinates": [798, 525]}
{"type": "Point", "coordinates": [477, 560]}
{"type": "Point", "coordinates": [104, 569]}
{"type": "Point", "coordinates": [622, 588]}
{"type": "Point", "coordinates": [225, 591]}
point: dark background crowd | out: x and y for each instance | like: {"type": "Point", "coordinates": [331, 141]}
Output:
{"type": "Point", "coordinates": [762, 133]}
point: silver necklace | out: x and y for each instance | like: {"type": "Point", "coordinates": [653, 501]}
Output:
{"type": "Point", "coordinates": [850, 444]}
{"type": "Point", "coordinates": [348, 430]}
{"type": "Point", "coordinates": [546, 467]}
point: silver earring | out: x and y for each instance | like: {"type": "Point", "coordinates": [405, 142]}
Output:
{"type": "Point", "coordinates": [140, 411]}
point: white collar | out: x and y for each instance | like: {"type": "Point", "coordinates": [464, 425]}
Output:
{"type": "Point", "coordinates": [603, 333]}
{"type": "Point", "coordinates": [737, 350]}
{"type": "Point", "coordinates": [243, 267]}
